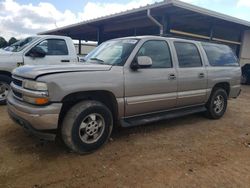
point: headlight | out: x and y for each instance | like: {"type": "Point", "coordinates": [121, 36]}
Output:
{"type": "Point", "coordinates": [35, 89]}
{"type": "Point", "coordinates": [33, 85]}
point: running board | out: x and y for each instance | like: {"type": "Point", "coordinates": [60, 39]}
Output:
{"type": "Point", "coordinates": [150, 118]}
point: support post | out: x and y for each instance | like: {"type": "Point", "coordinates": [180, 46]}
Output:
{"type": "Point", "coordinates": [100, 35]}
{"type": "Point", "coordinates": [211, 32]}
{"type": "Point", "coordinates": [239, 47]}
{"type": "Point", "coordinates": [79, 47]}
{"type": "Point", "coordinates": [166, 24]}
{"type": "Point", "coordinates": [135, 31]}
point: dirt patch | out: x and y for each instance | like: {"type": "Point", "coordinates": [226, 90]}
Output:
{"type": "Point", "coordinates": [187, 152]}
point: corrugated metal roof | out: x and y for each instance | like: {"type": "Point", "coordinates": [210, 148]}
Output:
{"type": "Point", "coordinates": [207, 12]}
{"type": "Point", "coordinates": [175, 3]}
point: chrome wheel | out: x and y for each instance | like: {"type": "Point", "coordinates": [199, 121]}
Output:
{"type": "Point", "coordinates": [219, 104]}
{"type": "Point", "coordinates": [4, 90]}
{"type": "Point", "coordinates": [91, 128]}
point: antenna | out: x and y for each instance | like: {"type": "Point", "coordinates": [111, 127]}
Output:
{"type": "Point", "coordinates": [53, 17]}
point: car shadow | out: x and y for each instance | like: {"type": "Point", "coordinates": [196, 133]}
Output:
{"type": "Point", "coordinates": [49, 150]}
{"type": "Point", "coordinates": [168, 124]}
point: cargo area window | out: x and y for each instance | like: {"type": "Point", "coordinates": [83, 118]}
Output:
{"type": "Point", "coordinates": [188, 55]}
{"type": "Point", "coordinates": [158, 51]}
{"type": "Point", "coordinates": [220, 55]}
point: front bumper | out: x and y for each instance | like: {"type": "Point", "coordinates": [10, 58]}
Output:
{"type": "Point", "coordinates": [41, 121]}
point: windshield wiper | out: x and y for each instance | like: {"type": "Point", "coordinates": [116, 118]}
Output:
{"type": "Point", "coordinates": [96, 59]}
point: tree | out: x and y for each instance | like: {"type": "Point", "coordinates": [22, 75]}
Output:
{"type": "Point", "coordinates": [12, 41]}
{"type": "Point", "coordinates": [3, 42]}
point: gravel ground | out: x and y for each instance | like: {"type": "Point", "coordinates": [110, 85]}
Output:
{"type": "Point", "coordinates": [188, 152]}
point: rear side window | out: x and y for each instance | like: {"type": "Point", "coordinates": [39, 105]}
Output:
{"type": "Point", "coordinates": [220, 55]}
{"type": "Point", "coordinates": [158, 51]}
{"type": "Point", "coordinates": [188, 55]}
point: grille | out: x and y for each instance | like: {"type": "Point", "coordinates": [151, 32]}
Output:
{"type": "Point", "coordinates": [17, 94]}
{"type": "Point", "coordinates": [17, 82]}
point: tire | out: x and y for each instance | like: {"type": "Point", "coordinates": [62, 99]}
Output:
{"type": "Point", "coordinates": [4, 88]}
{"type": "Point", "coordinates": [217, 104]}
{"type": "Point", "coordinates": [243, 79]}
{"type": "Point", "coordinates": [87, 126]}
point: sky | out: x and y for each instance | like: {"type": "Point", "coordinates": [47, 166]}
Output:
{"type": "Point", "coordinates": [21, 18]}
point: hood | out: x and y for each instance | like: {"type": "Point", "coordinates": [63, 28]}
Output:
{"type": "Point", "coordinates": [33, 72]}
{"type": "Point", "coordinates": [5, 53]}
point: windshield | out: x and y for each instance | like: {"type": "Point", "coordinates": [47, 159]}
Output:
{"type": "Point", "coordinates": [114, 52]}
{"type": "Point", "coordinates": [20, 45]}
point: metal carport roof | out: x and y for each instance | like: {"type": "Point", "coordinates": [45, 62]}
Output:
{"type": "Point", "coordinates": [173, 14]}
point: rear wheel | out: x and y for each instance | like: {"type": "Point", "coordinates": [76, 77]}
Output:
{"type": "Point", "coordinates": [244, 79]}
{"type": "Point", "coordinates": [217, 104]}
{"type": "Point", "coordinates": [87, 126]}
{"type": "Point", "coordinates": [4, 88]}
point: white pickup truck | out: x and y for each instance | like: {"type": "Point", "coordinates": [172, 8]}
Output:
{"type": "Point", "coordinates": [35, 50]}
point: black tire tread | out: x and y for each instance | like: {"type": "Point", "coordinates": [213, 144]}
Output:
{"type": "Point", "coordinates": [210, 114]}
{"type": "Point", "coordinates": [69, 119]}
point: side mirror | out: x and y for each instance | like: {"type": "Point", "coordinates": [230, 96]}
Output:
{"type": "Point", "coordinates": [141, 62]}
{"type": "Point", "coordinates": [37, 51]}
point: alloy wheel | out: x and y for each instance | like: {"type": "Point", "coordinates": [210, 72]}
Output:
{"type": "Point", "coordinates": [91, 128]}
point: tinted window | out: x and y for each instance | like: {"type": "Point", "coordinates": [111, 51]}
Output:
{"type": "Point", "coordinates": [188, 55]}
{"type": "Point", "coordinates": [220, 55]}
{"type": "Point", "coordinates": [159, 53]}
{"type": "Point", "coordinates": [54, 47]}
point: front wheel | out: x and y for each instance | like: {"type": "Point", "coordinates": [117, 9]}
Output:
{"type": "Point", "coordinates": [87, 126]}
{"type": "Point", "coordinates": [4, 88]}
{"type": "Point", "coordinates": [217, 104]}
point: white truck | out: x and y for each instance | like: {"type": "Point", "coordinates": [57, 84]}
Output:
{"type": "Point", "coordinates": [35, 50]}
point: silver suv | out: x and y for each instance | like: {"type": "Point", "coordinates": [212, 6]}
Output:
{"type": "Point", "coordinates": [126, 81]}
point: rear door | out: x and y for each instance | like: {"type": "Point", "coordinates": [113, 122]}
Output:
{"type": "Point", "coordinates": [192, 74]}
{"type": "Point", "coordinates": [56, 53]}
{"type": "Point", "coordinates": [154, 88]}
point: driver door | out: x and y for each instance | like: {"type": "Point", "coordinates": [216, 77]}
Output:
{"type": "Point", "coordinates": [154, 88]}
{"type": "Point", "coordinates": [56, 53]}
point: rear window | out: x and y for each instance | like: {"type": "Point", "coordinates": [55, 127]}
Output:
{"type": "Point", "coordinates": [220, 55]}
{"type": "Point", "coordinates": [188, 55]}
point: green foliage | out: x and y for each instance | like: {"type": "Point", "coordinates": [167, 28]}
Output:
{"type": "Point", "coordinates": [12, 41]}
{"type": "Point", "coordinates": [3, 42]}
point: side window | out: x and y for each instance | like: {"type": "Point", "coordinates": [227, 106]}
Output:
{"type": "Point", "coordinates": [220, 55]}
{"type": "Point", "coordinates": [54, 47]}
{"type": "Point", "coordinates": [158, 51]}
{"type": "Point", "coordinates": [44, 46]}
{"type": "Point", "coordinates": [188, 54]}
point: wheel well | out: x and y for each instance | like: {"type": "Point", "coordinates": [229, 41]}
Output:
{"type": "Point", "coordinates": [6, 73]}
{"type": "Point", "coordinates": [105, 97]}
{"type": "Point", "coordinates": [223, 85]}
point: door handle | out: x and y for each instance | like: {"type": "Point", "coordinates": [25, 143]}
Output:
{"type": "Point", "coordinates": [172, 77]}
{"type": "Point", "coordinates": [65, 61]}
{"type": "Point", "coordinates": [201, 75]}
